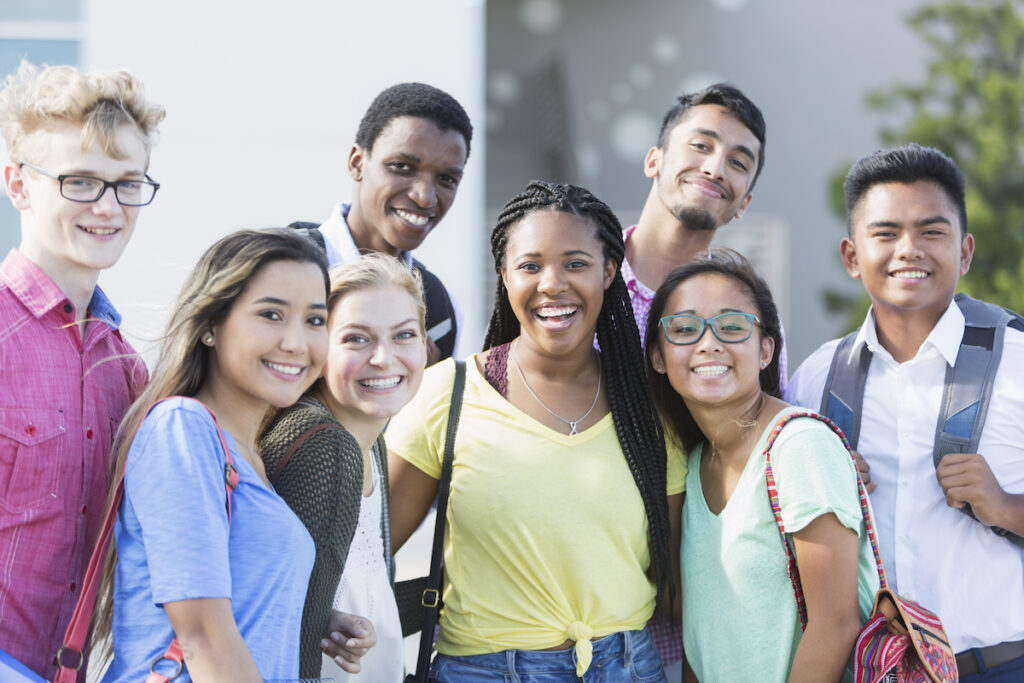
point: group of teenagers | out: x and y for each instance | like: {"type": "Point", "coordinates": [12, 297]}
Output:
{"type": "Point", "coordinates": [608, 516]}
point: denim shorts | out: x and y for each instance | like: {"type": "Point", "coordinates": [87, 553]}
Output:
{"type": "Point", "coordinates": [624, 657]}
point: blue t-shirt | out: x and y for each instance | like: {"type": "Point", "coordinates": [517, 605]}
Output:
{"type": "Point", "coordinates": [173, 543]}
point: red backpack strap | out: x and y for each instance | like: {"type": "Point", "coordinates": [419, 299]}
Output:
{"type": "Point", "coordinates": [773, 497]}
{"type": "Point", "coordinates": [78, 628]}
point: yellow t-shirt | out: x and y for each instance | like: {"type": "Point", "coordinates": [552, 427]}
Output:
{"type": "Point", "coordinates": [546, 536]}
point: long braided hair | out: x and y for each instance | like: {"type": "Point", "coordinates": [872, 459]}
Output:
{"type": "Point", "coordinates": [636, 423]}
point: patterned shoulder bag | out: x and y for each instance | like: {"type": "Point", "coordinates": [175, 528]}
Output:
{"type": "Point", "coordinates": [901, 641]}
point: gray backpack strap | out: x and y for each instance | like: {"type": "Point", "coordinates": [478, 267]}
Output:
{"type": "Point", "coordinates": [843, 395]}
{"type": "Point", "coordinates": [968, 386]}
{"type": "Point", "coordinates": [311, 230]}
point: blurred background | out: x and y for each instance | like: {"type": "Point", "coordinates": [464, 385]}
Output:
{"type": "Point", "coordinates": [263, 98]}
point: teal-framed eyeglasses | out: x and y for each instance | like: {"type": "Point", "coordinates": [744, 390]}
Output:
{"type": "Point", "coordinates": [730, 328]}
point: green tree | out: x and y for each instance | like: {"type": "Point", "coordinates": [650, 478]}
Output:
{"type": "Point", "coordinates": [971, 106]}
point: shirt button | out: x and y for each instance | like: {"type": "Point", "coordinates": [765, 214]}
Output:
{"type": "Point", "coordinates": [68, 308]}
{"type": "Point", "coordinates": [71, 588]}
{"type": "Point", "coordinates": [88, 433]}
{"type": "Point", "coordinates": [30, 429]}
{"type": "Point", "coordinates": [84, 508]}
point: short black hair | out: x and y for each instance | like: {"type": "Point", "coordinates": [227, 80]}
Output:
{"type": "Point", "coordinates": [724, 95]}
{"type": "Point", "coordinates": [908, 164]}
{"type": "Point", "coordinates": [413, 99]}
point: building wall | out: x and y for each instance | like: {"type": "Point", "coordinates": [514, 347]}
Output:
{"type": "Point", "coordinates": [263, 99]}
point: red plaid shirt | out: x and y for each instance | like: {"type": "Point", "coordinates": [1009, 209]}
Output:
{"type": "Point", "coordinates": [61, 399]}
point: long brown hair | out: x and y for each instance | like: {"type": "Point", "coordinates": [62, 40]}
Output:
{"type": "Point", "coordinates": [206, 298]}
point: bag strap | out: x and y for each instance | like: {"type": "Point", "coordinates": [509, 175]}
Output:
{"type": "Point", "coordinates": [312, 231]}
{"type": "Point", "coordinates": [966, 393]}
{"type": "Point", "coordinates": [295, 446]}
{"type": "Point", "coordinates": [773, 497]}
{"type": "Point", "coordinates": [78, 628]}
{"type": "Point", "coordinates": [843, 395]}
{"type": "Point", "coordinates": [431, 599]}
{"type": "Point", "coordinates": [967, 390]}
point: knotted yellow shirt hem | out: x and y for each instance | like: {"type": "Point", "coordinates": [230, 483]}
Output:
{"type": "Point", "coordinates": [582, 633]}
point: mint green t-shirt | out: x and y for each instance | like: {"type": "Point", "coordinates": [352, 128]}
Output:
{"type": "Point", "coordinates": [739, 614]}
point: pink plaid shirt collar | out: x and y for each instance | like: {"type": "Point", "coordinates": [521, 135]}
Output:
{"type": "Point", "coordinates": [40, 295]}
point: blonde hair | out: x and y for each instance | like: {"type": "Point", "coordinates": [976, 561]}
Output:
{"type": "Point", "coordinates": [372, 270]}
{"type": "Point", "coordinates": [206, 299]}
{"type": "Point", "coordinates": [34, 99]}
{"type": "Point", "coordinates": [377, 270]}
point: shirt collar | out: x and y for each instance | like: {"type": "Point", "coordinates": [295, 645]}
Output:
{"type": "Point", "coordinates": [945, 337]}
{"type": "Point", "coordinates": [344, 247]}
{"type": "Point", "coordinates": [632, 283]}
{"type": "Point", "coordinates": [101, 309]}
{"type": "Point", "coordinates": [40, 295]}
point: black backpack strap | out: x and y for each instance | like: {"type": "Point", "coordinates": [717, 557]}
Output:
{"type": "Point", "coordinates": [311, 230]}
{"type": "Point", "coordinates": [968, 386]}
{"type": "Point", "coordinates": [843, 396]}
{"type": "Point", "coordinates": [441, 323]}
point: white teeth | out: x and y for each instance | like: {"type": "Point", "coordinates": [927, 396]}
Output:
{"type": "Point", "coordinates": [415, 219]}
{"type": "Point", "coordinates": [284, 369]}
{"type": "Point", "coordinates": [100, 231]}
{"type": "Point", "coordinates": [910, 275]}
{"type": "Point", "coordinates": [381, 382]}
{"type": "Point", "coordinates": [552, 312]}
{"type": "Point", "coordinates": [711, 370]}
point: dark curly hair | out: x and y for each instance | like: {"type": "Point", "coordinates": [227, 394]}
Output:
{"type": "Point", "coordinates": [413, 99]}
{"type": "Point", "coordinates": [636, 422]}
{"type": "Point", "coordinates": [732, 265]}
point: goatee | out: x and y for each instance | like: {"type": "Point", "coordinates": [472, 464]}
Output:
{"type": "Point", "coordinates": [696, 218]}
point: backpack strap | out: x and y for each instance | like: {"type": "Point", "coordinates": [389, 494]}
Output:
{"type": "Point", "coordinates": [843, 396]}
{"type": "Point", "coordinates": [311, 230]}
{"type": "Point", "coordinates": [968, 386]}
{"type": "Point", "coordinates": [966, 393]}
{"type": "Point", "coordinates": [440, 322]}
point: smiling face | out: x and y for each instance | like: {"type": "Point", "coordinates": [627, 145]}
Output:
{"type": "Point", "coordinates": [711, 372]}
{"type": "Point", "coordinates": [72, 240]}
{"type": "Point", "coordinates": [405, 184]}
{"type": "Point", "coordinates": [704, 172]}
{"type": "Point", "coordinates": [556, 275]}
{"type": "Point", "coordinates": [272, 344]}
{"type": "Point", "coordinates": [907, 246]}
{"type": "Point", "coordinates": [376, 357]}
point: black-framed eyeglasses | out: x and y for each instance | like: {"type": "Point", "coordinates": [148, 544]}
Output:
{"type": "Point", "coordinates": [87, 189]}
{"type": "Point", "coordinates": [730, 328]}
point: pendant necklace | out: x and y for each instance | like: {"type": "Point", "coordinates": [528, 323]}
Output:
{"type": "Point", "coordinates": [572, 423]}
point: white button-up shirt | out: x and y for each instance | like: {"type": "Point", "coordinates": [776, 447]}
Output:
{"type": "Point", "coordinates": [342, 249]}
{"type": "Point", "coordinates": [935, 554]}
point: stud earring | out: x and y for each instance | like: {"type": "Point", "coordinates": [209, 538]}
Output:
{"type": "Point", "coordinates": [208, 339]}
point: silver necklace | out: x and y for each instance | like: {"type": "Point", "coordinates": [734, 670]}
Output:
{"type": "Point", "coordinates": [572, 423]}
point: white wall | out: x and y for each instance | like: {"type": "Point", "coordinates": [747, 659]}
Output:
{"type": "Point", "coordinates": [263, 98]}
